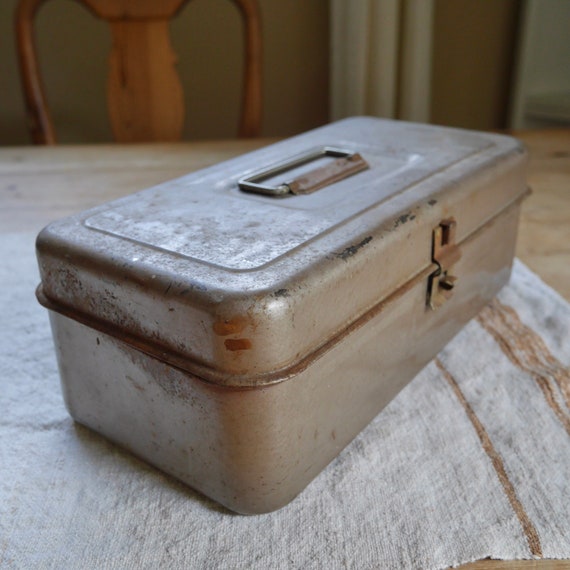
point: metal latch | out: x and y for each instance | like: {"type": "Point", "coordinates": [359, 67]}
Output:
{"type": "Point", "coordinates": [445, 252]}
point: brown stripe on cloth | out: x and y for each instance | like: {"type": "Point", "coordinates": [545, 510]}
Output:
{"type": "Point", "coordinates": [526, 524]}
{"type": "Point", "coordinates": [526, 350]}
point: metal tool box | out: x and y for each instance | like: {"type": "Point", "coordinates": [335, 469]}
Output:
{"type": "Point", "coordinates": [237, 327]}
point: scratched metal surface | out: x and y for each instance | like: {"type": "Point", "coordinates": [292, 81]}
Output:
{"type": "Point", "coordinates": [244, 285]}
{"type": "Point", "coordinates": [208, 219]}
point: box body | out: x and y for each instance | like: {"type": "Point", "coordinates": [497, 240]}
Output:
{"type": "Point", "coordinates": [240, 343]}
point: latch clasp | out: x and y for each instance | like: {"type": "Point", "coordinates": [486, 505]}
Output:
{"type": "Point", "coordinates": [445, 253]}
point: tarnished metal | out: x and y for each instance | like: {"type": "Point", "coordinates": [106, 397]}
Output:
{"type": "Point", "coordinates": [239, 342]}
{"type": "Point", "coordinates": [445, 253]}
{"type": "Point", "coordinates": [346, 164]}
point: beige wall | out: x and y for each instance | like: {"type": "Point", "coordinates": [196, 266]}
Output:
{"type": "Point", "coordinates": [207, 36]}
{"type": "Point", "coordinates": [472, 66]}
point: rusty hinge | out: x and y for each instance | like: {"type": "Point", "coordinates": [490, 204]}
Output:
{"type": "Point", "coordinates": [445, 252]}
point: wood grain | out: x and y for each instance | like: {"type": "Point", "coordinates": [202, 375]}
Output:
{"type": "Point", "coordinates": [41, 184]}
{"type": "Point", "coordinates": [517, 565]}
{"type": "Point", "coordinates": [144, 93]}
{"type": "Point", "coordinates": [544, 233]}
{"type": "Point", "coordinates": [40, 122]}
{"type": "Point", "coordinates": [146, 102]}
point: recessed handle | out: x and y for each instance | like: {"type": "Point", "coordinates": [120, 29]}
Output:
{"type": "Point", "coordinates": [346, 164]}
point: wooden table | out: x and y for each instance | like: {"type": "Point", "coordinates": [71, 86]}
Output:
{"type": "Point", "coordinates": [544, 234]}
{"type": "Point", "coordinates": [40, 184]}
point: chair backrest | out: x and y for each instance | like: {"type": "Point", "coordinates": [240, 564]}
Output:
{"type": "Point", "coordinates": [144, 93]}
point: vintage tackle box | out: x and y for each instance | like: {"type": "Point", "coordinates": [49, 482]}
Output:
{"type": "Point", "coordinates": [239, 326]}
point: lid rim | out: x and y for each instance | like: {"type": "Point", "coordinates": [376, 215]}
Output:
{"type": "Point", "coordinates": [226, 379]}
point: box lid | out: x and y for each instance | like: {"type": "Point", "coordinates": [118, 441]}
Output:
{"type": "Point", "coordinates": [243, 288]}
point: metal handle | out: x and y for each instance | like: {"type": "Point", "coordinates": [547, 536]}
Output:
{"type": "Point", "coordinates": [347, 164]}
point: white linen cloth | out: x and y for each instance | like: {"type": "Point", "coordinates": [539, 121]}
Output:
{"type": "Point", "coordinates": [471, 460]}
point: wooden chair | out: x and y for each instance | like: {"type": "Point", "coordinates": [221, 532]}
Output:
{"type": "Point", "coordinates": [144, 93]}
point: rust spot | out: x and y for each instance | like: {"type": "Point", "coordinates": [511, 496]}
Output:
{"type": "Point", "coordinates": [230, 326]}
{"type": "Point", "coordinates": [351, 250]}
{"type": "Point", "coordinates": [333, 434]}
{"type": "Point", "coordinates": [135, 383]}
{"type": "Point", "coordinates": [404, 218]}
{"type": "Point", "coordinates": [237, 344]}
{"type": "Point", "coordinates": [432, 202]}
